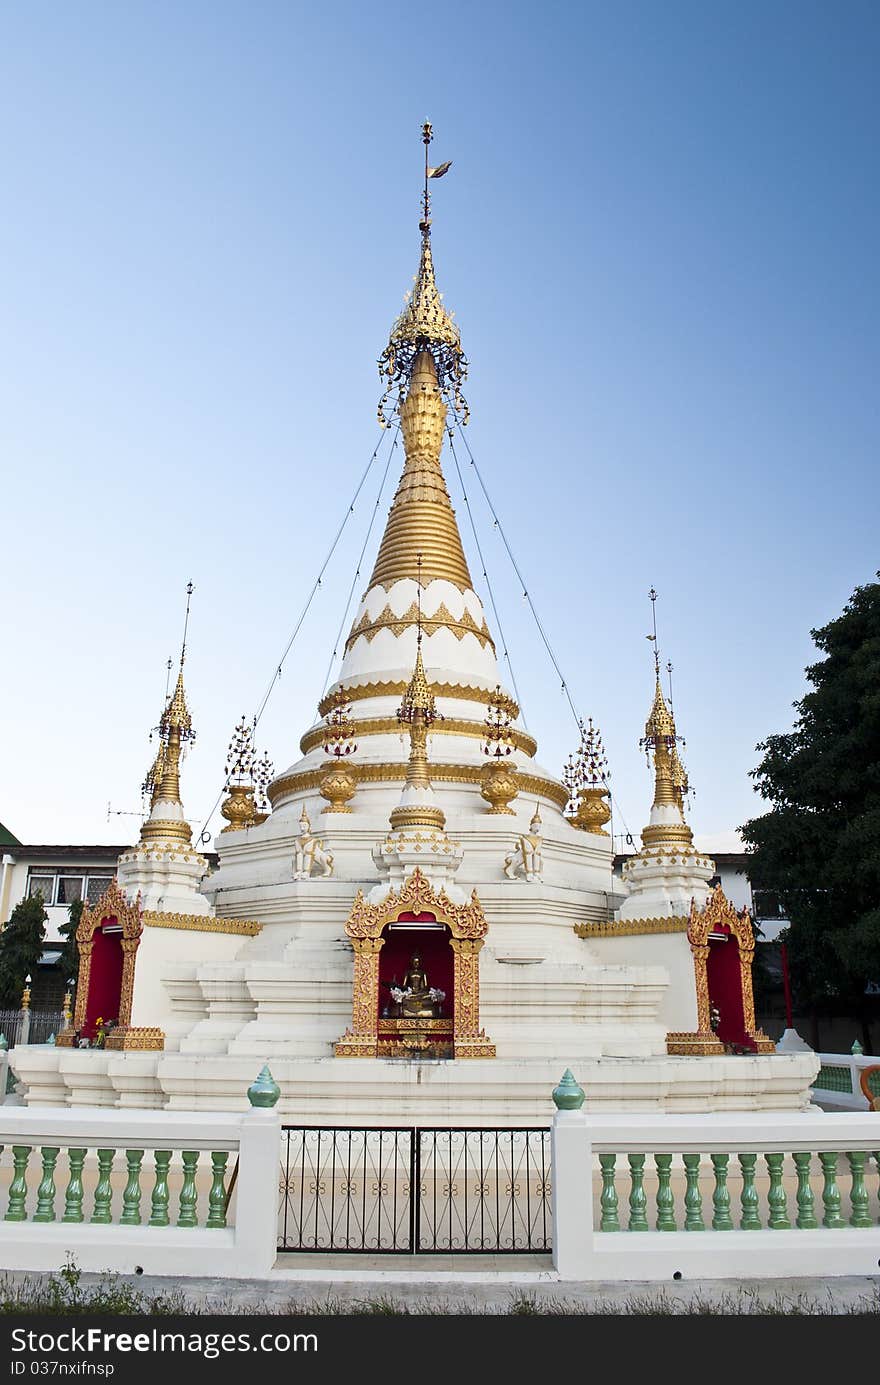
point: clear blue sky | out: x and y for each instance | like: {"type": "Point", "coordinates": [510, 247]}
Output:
{"type": "Point", "coordinates": [660, 239]}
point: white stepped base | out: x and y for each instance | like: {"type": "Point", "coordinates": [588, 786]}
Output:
{"type": "Point", "coordinates": [484, 1092]}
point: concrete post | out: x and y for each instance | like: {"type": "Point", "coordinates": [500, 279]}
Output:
{"type": "Point", "coordinates": [571, 1162]}
{"type": "Point", "coordinates": [256, 1212]}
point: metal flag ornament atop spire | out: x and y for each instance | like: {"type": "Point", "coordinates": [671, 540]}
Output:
{"type": "Point", "coordinates": [424, 324]}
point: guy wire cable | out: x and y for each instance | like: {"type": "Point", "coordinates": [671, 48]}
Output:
{"type": "Point", "coordinates": [498, 626]}
{"type": "Point", "coordinates": [531, 605]}
{"type": "Point", "coordinates": [316, 585]}
{"type": "Point", "coordinates": [357, 573]}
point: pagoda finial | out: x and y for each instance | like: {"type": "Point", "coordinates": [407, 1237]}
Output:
{"type": "Point", "coordinates": [163, 781]}
{"type": "Point", "coordinates": [424, 324]}
{"type": "Point", "coordinates": [670, 776]}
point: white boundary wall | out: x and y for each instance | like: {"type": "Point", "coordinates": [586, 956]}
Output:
{"type": "Point", "coordinates": [582, 1252]}
{"type": "Point", "coordinates": [245, 1251]}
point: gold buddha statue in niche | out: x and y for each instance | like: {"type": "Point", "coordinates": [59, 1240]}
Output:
{"type": "Point", "coordinates": [422, 1002]}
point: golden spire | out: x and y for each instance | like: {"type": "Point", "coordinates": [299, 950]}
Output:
{"type": "Point", "coordinates": [423, 367]}
{"type": "Point", "coordinates": [670, 779]}
{"type": "Point", "coordinates": [418, 711]}
{"type": "Point", "coordinates": [421, 518]}
{"type": "Point", "coordinates": [175, 730]}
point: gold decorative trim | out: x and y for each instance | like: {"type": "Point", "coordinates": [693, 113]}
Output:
{"type": "Point", "coordinates": [719, 913]}
{"type": "Point", "coordinates": [202, 923]}
{"type": "Point", "coordinates": [442, 619]}
{"type": "Point", "coordinates": [128, 1039]}
{"type": "Point", "coordinates": [112, 904]}
{"type": "Point", "coordinates": [385, 772]}
{"type": "Point", "coordinates": [632, 927]}
{"type": "Point", "coordinates": [694, 1044]}
{"type": "Point", "coordinates": [462, 692]}
{"type": "Point", "coordinates": [449, 726]}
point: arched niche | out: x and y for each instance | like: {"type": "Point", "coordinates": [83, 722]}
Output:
{"type": "Point", "coordinates": [412, 914]}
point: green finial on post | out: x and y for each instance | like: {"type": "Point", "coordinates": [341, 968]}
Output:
{"type": "Point", "coordinates": [568, 1096]}
{"type": "Point", "coordinates": [264, 1092]}
{"type": "Point", "coordinates": [4, 1042]}
{"type": "Point", "coordinates": [856, 1049]}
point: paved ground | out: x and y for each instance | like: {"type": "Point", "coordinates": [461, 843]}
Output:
{"type": "Point", "coordinates": [484, 1288]}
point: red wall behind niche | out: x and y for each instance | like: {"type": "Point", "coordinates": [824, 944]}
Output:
{"type": "Point", "coordinates": [438, 959]}
{"type": "Point", "coordinates": [105, 979]}
{"type": "Point", "coordinates": [724, 976]}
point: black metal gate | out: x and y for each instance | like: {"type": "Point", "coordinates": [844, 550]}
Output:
{"type": "Point", "coordinates": [405, 1190]}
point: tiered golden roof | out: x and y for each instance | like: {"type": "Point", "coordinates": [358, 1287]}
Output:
{"type": "Point", "coordinates": [421, 519]}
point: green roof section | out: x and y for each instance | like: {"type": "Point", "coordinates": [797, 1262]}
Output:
{"type": "Point", "coordinates": [7, 838]}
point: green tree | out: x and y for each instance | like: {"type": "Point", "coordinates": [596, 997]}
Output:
{"type": "Point", "coordinates": [69, 960]}
{"type": "Point", "coordinates": [819, 845]}
{"type": "Point", "coordinates": [21, 945]}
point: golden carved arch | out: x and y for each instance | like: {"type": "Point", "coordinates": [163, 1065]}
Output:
{"type": "Point", "coordinates": [112, 905]}
{"type": "Point", "coordinates": [719, 915]}
{"type": "Point", "coordinates": [365, 927]}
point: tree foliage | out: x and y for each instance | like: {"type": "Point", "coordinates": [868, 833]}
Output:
{"type": "Point", "coordinates": [819, 845]}
{"type": "Point", "coordinates": [69, 960]}
{"type": "Point", "coordinates": [21, 946]}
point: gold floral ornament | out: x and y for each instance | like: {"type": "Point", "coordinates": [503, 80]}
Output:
{"type": "Point", "coordinates": [586, 777]}
{"type": "Point", "coordinates": [424, 325]}
{"type": "Point", "coordinates": [499, 785]}
{"type": "Point", "coordinates": [339, 783]}
{"type": "Point", "coordinates": [247, 780]}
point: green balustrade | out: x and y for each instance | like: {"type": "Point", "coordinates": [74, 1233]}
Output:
{"type": "Point", "coordinates": [131, 1197]}
{"type": "Point", "coordinates": [217, 1195]}
{"type": "Point", "coordinates": [806, 1216]}
{"type": "Point", "coordinates": [638, 1221]}
{"type": "Point", "coordinates": [188, 1195]}
{"type": "Point", "coordinates": [18, 1187]}
{"type": "Point", "coordinates": [830, 1190]}
{"type": "Point", "coordinates": [858, 1195]}
{"type": "Point", "coordinates": [778, 1219]}
{"type": "Point", "coordinates": [748, 1198]}
{"type": "Point", "coordinates": [46, 1191]}
{"type": "Point", "coordinates": [665, 1196]}
{"type": "Point", "coordinates": [721, 1218]}
{"type": "Point", "coordinates": [103, 1191]}
{"type": "Point", "coordinates": [608, 1201]}
{"type": "Point", "coordinates": [73, 1198]}
{"type": "Point", "coordinates": [159, 1206]}
{"type": "Point", "coordinates": [693, 1202]}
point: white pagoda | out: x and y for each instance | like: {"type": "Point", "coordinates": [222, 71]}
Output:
{"type": "Point", "coordinates": [419, 930]}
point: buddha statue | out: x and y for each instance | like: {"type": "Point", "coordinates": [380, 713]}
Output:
{"type": "Point", "coordinates": [417, 1005]}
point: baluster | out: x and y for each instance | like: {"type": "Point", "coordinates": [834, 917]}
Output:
{"type": "Point", "coordinates": [131, 1197]}
{"type": "Point", "coordinates": [159, 1206]}
{"type": "Point", "coordinates": [637, 1199]}
{"type": "Point", "coordinates": [721, 1218]}
{"type": "Point", "coordinates": [188, 1195]}
{"type": "Point", "coordinates": [748, 1198]}
{"type": "Point", "coordinates": [693, 1202]}
{"type": "Point", "coordinates": [46, 1191]}
{"type": "Point", "coordinates": [73, 1198]}
{"type": "Point", "coordinates": [608, 1202]}
{"type": "Point", "coordinates": [806, 1217]}
{"type": "Point", "coordinates": [858, 1193]}
{"type": "Point", "coordinates": [103, 1191]}
{"type": "Point", "coordinates": [778, 1219]}
{"type": "Point", "coordinates": [217, 1195]}
{"type": "Point", "coordinates": [18, 1187]}
{"type": "Point", "coordinates": [665, 1196]}
{"type": "Point", "coordinates": [830, 1190]}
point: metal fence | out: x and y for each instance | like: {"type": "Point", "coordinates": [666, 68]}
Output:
{"type": "Point", "coordinates": [415, 1190]}
{"type": "Point", "coordinates": [43, 1023]}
